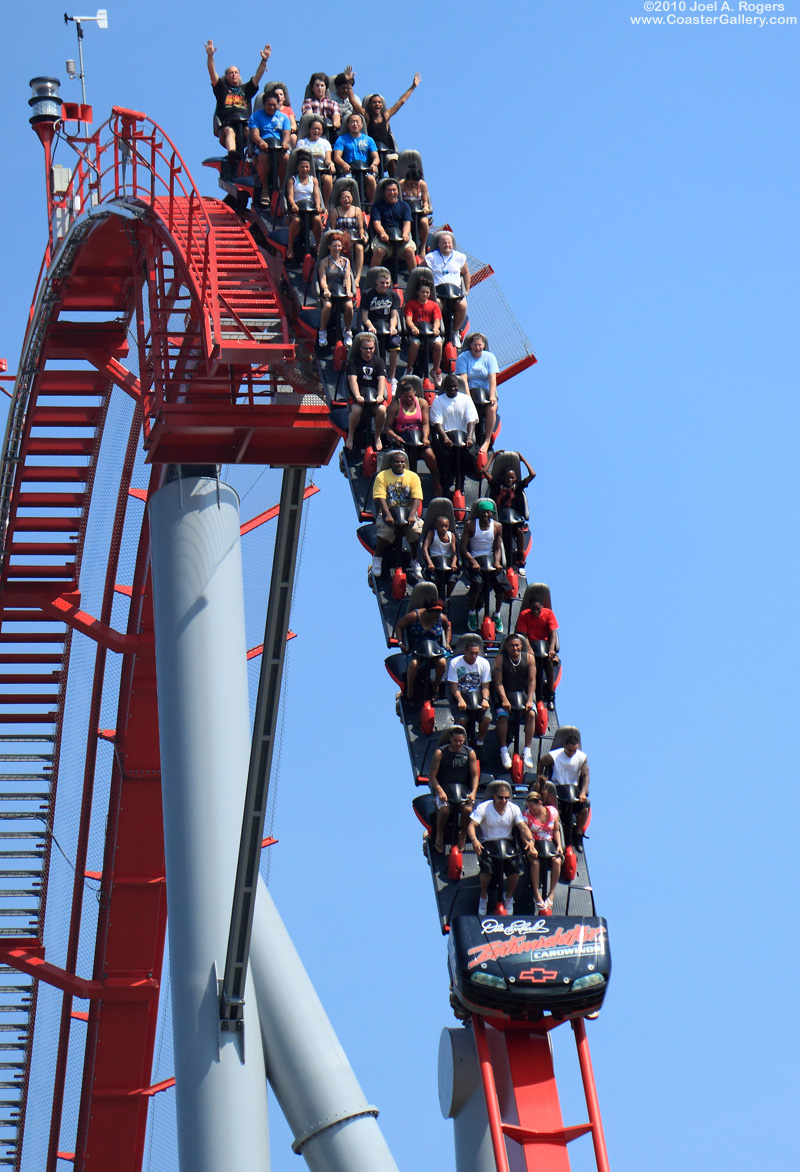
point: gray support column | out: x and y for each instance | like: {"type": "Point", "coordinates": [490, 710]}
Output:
{"type": "Point", "coordinates": [461, 1099]}
{"type": "Point", "coordinates": [334, 1125]}
{"type": "Point", "coordinates": [205, 748]}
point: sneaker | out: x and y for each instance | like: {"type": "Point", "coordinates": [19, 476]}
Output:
{"type": "Point", "coordinates": [377, 567]}
{"type": "Point", "coordinates": [415, 568]}
{"type": "Point", "coordinates": [393, 384]}
{"type": "Point", "coordinates": [472, 620]}
{"type": "Point", "coordinates": [348, 337]}
{"type": "Point", "coordinates": [527, 759]}
{"type": "Point", "coordinates": [483, 905]}
{"type": "Point", "coordinates": [509, 903]}
{"type": "Point", "coordinates": [323, 337]}
{"type": "Point", "coordinates": [498, 624]}
{"type": "Point", "coordinates": [437, 378]}
{"type": "Point", "coordinates": [505, 756]}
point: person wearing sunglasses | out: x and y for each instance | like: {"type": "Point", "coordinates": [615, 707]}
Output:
{"type": "Point", "coordinates": [544, 825]}
{"type": "Point", "coordinates": [498, 817]}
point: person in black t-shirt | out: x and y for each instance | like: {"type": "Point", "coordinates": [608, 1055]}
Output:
{"type": "Point", "coordinates": [234, 96]}
{"type": "Point", "coordinates": [365, 369]}
{"type": "Point", "coordinates": [455, 762]}
{"type": "Point", "coordinates": [382, 304]}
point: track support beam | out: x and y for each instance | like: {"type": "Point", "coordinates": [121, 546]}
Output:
{"type": "Point", "coordinates": [284, 559]}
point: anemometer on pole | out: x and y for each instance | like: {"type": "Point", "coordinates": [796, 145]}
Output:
{"type": "Point", "coordinates": [102, 22]}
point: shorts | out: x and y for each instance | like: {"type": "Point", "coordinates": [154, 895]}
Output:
{"type": "Point", "coordinates": [413, 529]}
{"type": "Point", "coordinates": [440, 803]}
{"type": "Point", "coordinates": [386, 246]}
{"type": "Point", "coordinates": [499, 581]}
{"type": "Point", "coordinates": [512, 865]}
{"type": "Point", "coordinates": [508, 715]}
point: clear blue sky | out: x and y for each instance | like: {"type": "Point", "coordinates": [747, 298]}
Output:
{"type": "Point", "coordinates": [636, 190]}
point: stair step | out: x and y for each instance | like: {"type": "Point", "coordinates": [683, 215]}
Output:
{"type": "Point", "coordinates": [47, 524]}
{"type": "Point", "coordinates": [60, 446]}
{"type": "Point", "coordinates": [44, 472]}
{"type": "Point", "coordinates": [42, 548]}
{"type": "Point", "coordinates": [66, 571]}
{"type": "Point", "coordinates": [51, 500]}
{"type": "Point", "coordinates": [65, 416]}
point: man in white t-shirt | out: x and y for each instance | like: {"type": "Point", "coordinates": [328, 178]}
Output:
{"type": "Point", "coordinates": [452, 410]}
{"type": "Point", "coordinates": [570, 766]}
{"type": "Point", "coordinates": [498, 818]}
{"type": "Point", "coordinates": [450, 268]}
{"type": "Point", "coordinates": [470, 672]}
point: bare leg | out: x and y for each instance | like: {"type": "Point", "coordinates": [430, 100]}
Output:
{"type": "Point", "coordinates": [410, 257]}
{"type": "Point", "coordinates": [460, 314]}
{"type": "Point", "coordinates": [378, 257]}
{"type": "Point", "coordinates": [502, 731]}
{"type": "Point", "coordinates": [411, 357]}
{"type": "Point", "coordinates": [294, 228]}
{"type": "Point", "coordinates": [326, 183]}
{"type": "Point", "coordinates": [369, 188]}
{"type": "Point", "coordinates": [411, 679]}
{"type": "Point", "coordinates": [490, 420]}
{"type": "Point", "coordinates": [356, 412]}
{"type": "Point", "coordinates": [511, 884]}
{"type": "Point", "coordinates": [436, 354]}
{"type": "Point", "coordinates": [555, 872]}
{"type": "Point", "coordinates": [537, 894]}
{"type": "Point", "coordinates": [442, 815]}
{"type": "Point", "coordinates": [380, 417]}
{"type": "Point", "coordinates": [441, 664]}
{"type": "Point", "coordinates": [429, 457]}
{"type": "Point", "coordinates": [348, 314]}
{"type": "Point", "coordinates": [462, 830]}
{"type": "Point", "coordinates": [358, 261]}
{"type": "Point", "coordinates": [530, 721]}
{"type": "Point", "coordinates": [486, 720]}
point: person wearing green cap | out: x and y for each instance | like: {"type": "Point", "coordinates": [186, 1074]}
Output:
{"type": "Point", "coordinates": [483, 537]}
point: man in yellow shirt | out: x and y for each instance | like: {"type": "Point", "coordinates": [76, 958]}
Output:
{"type": "Point", "coordinates": [396, 487]}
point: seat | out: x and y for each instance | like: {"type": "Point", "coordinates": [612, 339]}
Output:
{"type": "Point", "coordinates": [561, 734]}
{"type": "Point", "coordinates": [422, 594]}
{"type": "Point", "coordinates": [417, 274]}
{"type": "Point", "coordinates": [405, 161]}
{"type": "Point", "coordinates": [500, 464]}
{"type": "Point", "coordinates": [440, 506]}
{"type": "Point", "coordinates": [539, 592]}
{"type": "Point", "coordinates": [472, 515]}
{"type": "Point", "coordinates": [345, 181]}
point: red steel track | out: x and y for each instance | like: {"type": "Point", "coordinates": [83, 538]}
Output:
{"type": "Point", "coordinates": [154, 293]}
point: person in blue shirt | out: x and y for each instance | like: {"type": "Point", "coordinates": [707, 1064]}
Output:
{"type": "Point", "coordinates": [391, 214]}
{"type": "Point", "coordinates": [270, 125]}
{"type": "Point", "coordinates": [477, 367]}
{"type": "Point", "coordinates": [357, 147]}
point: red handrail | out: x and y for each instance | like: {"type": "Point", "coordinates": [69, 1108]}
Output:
{"type": "Point", "coordinates": [145, 165]}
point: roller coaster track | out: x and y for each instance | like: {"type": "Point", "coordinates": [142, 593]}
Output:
{"type": "Point", "coordinates": [159, 333]}
{"type": "Point", "coordinates": [154, 307]}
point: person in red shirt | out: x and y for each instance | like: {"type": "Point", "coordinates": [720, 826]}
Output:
{"type": "Point", "coordinates": [425, 307]}
{"type": "Point", "coordinates": [539, 624]}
